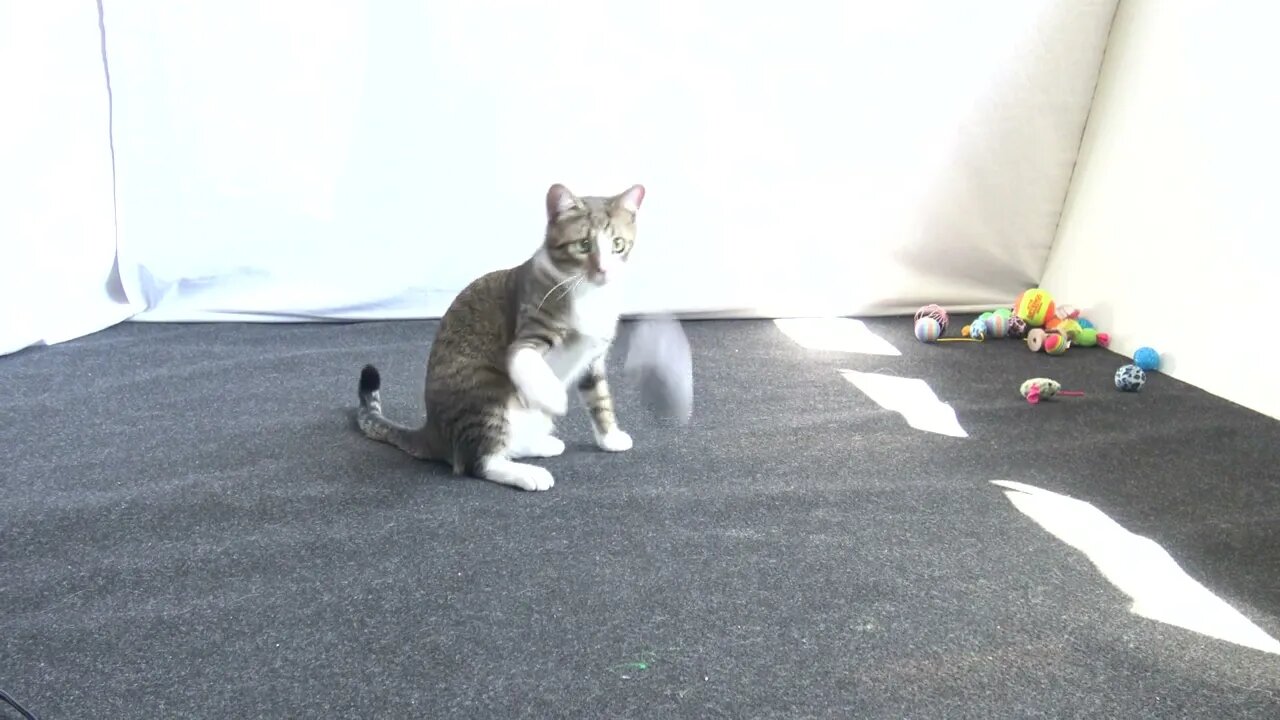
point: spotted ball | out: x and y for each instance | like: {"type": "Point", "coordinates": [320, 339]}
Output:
{"type": "Point", "coordinates": [928, 330]}
{"type": "Point", "coordinates": [1130, 378]}
{"type": "Point", "coordinates": [1147, 359]}
{"type": "Point", "coordinates": [978, 330]}
{"type": "Point", "coordinates": [1017, 328]}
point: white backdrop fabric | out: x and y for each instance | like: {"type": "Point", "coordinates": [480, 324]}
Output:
{"type": "Point", "coordinates": [362, 160]}
{"type": "Point", "coordinates": [57, 235]}
{"type": "Point", "coordinates": [298, 160]}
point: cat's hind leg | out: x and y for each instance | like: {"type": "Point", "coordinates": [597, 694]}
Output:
{"type": "Point", "coordinates": [489, 447]}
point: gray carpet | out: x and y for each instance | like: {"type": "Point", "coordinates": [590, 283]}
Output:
{"type": "Point", "coordinates": [191, 527]}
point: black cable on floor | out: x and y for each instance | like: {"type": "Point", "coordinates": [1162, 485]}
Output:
{"type": "Point", "coordinates": [16, 706]}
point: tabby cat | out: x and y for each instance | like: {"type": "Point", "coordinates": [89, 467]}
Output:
{"type": "Point", "coordinates": [512, 343]}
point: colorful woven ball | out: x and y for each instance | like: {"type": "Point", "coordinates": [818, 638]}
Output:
{"type": "Point", "coordinates": [937, 312]}
{"type": "Point", "coordinates": [1017, 328]}
{"type": "Point", "coordinates": [1147, 359]}
{"type": "Point", "coordinates": [1070, 328]}
{"type": "Point", "coordinates": [1130, 378]}
{"type": "Point", "coordinates": [928, 330]}
{"type": "Point", "coordinates": [1035, 306]}
{"type": "Point", "coordinates": [997, 325]}
{"type": "Point", "coordinates": [1056, 343]}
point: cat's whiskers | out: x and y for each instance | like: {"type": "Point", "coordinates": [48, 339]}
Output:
{"type": "Point", "coordinates": [577, 277]}
{"type": "Point", "coordinates": [572, 287]}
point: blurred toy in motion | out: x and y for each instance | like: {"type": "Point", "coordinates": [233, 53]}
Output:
{"type": "Point", "coordinates": [660, 361]}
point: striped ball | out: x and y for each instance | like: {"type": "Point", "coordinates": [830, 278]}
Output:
{"type": "Point", "coordinates": [997, 325]}
{"type": "Point", "coordinates": [935, 311]}
{"type": "Point", "coordinates": [1056, 343]}
{"type": "Point", "coordinates": [928, 330]}
{"type": "Point", "coordinates": [1130, 378]}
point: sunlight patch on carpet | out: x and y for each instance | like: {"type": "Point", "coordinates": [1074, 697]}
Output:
{"type": "Point", "coordinates": [835, 334]}
{"type": "Point", "coordinates": [911, 398]}
{"type": "Point", "coordinates": [1161, 590]}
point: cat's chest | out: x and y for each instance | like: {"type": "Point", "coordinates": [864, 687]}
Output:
{"type": "Point", "coordinates": [593, 321]}
{"type": "Point", "coordinates": [594, 314]}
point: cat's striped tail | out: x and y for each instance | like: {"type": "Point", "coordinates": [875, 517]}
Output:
{"type": "Point", "coordinates": [376, 426]}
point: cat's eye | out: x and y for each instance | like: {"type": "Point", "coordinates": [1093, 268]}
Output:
{"type": "Point", "coordinates": [619, 244]}
{"type": "Point", "coordinates": [584, 245]}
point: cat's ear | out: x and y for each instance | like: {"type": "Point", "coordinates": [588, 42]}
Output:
{"type": "Point", "coordinates": [559, 201]}
{"type": "Point", "coordinates": [631, 199]}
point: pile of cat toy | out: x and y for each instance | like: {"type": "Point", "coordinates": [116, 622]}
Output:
{"type": "Point", "coordinates": [1045, 326]}
{"type": "Point", "coordinates": [1033, 317]}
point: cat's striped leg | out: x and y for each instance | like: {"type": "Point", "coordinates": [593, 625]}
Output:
{"type": "Point", "coordinates": [594, 389]}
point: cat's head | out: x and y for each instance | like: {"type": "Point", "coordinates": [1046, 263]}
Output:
{"type": "Point", "coordinates": [591, 236]}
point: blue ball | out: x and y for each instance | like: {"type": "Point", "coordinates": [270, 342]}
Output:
{"type": "Point", "coordinates": [1130, 378]}
{"type": "Point", "coordinates": [1084, 323]}
{"type": "Point", "coordinates": [1147, 359]}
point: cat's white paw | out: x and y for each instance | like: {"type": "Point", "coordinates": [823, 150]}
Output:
{"type": "Point", "coordinates": [545, 447]}
{"type": "Point", "coordinates": [614, 441]}
{"type": "Point", "coordinates": [537, 384]}
{"type": "Point", "coordinates": [519, 475]}
{"type": "Point", "coordinates": [536, 479]}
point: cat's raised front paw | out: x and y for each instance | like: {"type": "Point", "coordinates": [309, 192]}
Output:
{"type": "Point", "coordinates": [537, 384]}
{"type": "Point", "coordinates": [614, 441]}
{"type": "Point", "coordinates": [548, 397]}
